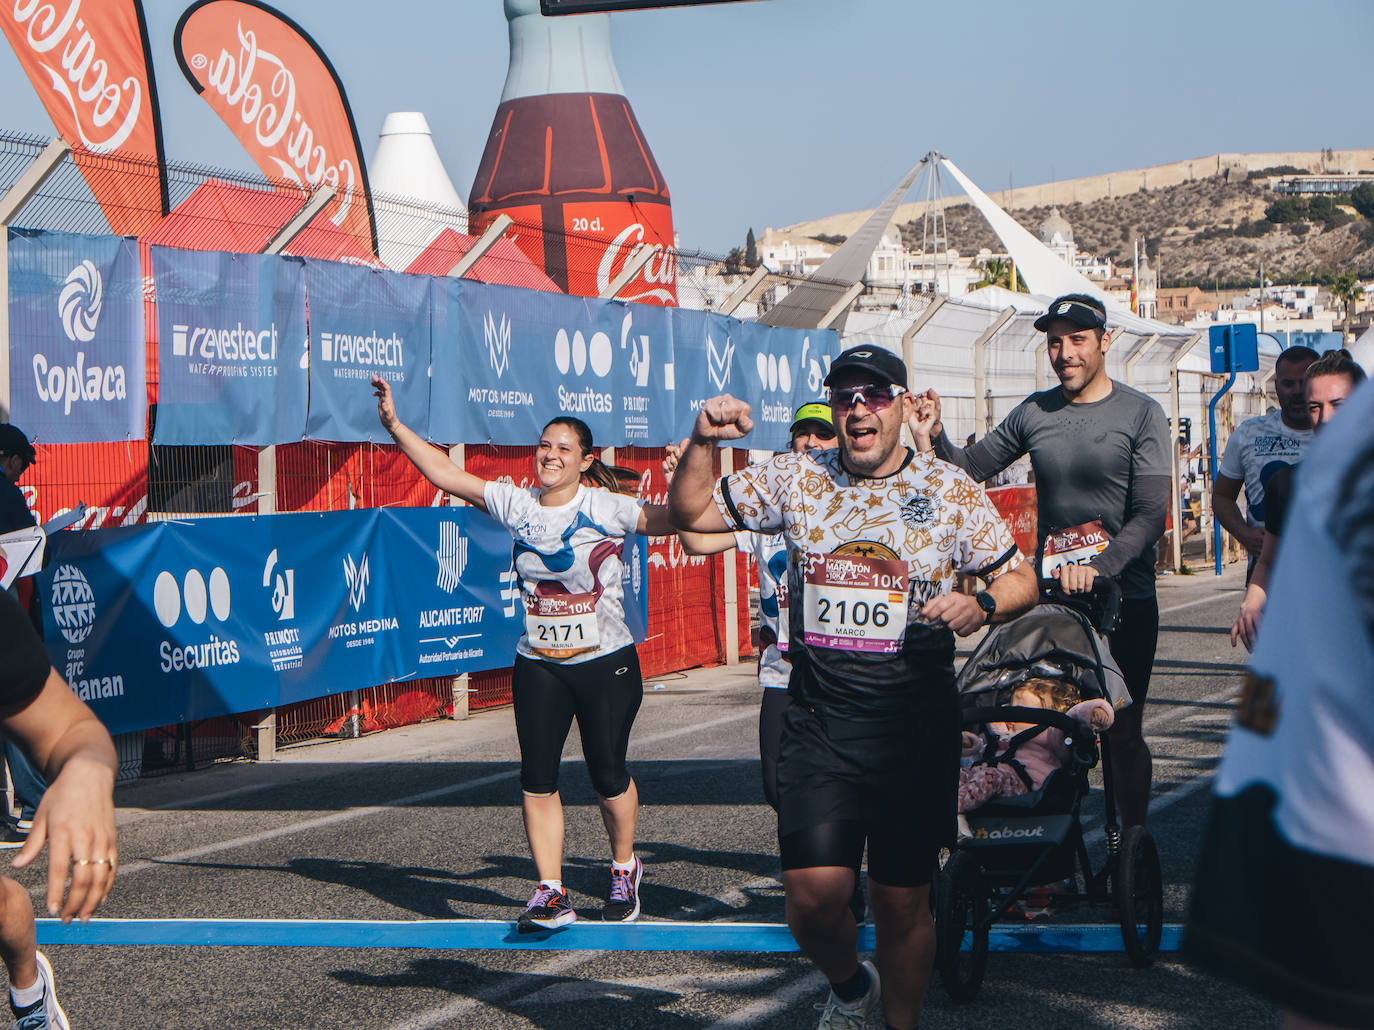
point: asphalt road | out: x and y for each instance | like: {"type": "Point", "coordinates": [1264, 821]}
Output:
{"type": "Point", "coordinates": [422, 823]}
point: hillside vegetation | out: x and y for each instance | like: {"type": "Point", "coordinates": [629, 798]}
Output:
{"type": "Point", "coordinates": [1208, 232]}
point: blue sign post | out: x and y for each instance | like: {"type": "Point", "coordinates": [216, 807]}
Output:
{"type": "Point", "coordinates": [1234, 348]}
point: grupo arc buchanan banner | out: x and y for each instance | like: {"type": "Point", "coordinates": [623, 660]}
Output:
{"type": "Point", "coordinates": [281, 97]}
{"type": "Point", "coordinates": [90, 66]}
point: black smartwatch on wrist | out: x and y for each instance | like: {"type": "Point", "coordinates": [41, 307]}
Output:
{"type": "Point", "coordinates": [986, 602]}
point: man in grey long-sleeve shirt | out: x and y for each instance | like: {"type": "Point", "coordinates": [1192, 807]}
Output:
{"type": "Point", "coordinates": [1100, 451]}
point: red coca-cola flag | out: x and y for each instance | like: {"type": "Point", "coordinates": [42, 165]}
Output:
{"type": "Point", "coordinates": [281, 97]}
{"type": "Point", "coordinates": [90, 66]}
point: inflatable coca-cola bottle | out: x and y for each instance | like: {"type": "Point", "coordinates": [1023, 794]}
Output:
{"type": "Point", "coordinates": [567, 161]}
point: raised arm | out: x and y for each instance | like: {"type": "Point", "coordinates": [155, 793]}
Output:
{"type": "Point", "coordinates": [434, 464]}
{"type": "Point", "coordinates": [694, 543]}
{"type": "Point", "coordinates": [689, 494]}
{"type": "Point", "coordinates": [984, 458]}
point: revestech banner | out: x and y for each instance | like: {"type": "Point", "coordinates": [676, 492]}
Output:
{"type": "Point", "coordinates": [231, 348]}
{"type": "Point", "coordinates": [76, 337]}
{"type": "Point", "coordinates": [507, 360]}
{"type": "Point", "coordinates": [160, 624]}
{"type": "Point", "coordinates": [366, 322]}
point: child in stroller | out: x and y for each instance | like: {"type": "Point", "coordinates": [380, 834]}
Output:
{"type": "Point", "coordinates": [1007, 759]}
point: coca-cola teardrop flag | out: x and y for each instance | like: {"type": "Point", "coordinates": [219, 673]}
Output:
{"type": "Point", "coordinates": [89, 63]}
{"type": "Point", "coordinates": [281, 97]}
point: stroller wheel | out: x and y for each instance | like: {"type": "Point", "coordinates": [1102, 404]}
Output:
{"type": "Point", "coordinates": [961, 911]}
{"type": "Point", "coordinates": [1139, 891]}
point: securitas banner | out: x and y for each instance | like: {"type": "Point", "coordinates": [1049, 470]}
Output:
{"type": "Point", "coordinates": [76, 337]}
{"type": "Point", "coordinates": [522, 358]}
{"type": "Point", "coordinates": [89, 65]}
{"type": "Point", "coordinates": [174, 622]}
{"type": "Point", "coordinates": [278, 93]}
{"type": "Point", "coordinates": [231, 348]}
{"type": "Point", "coordinates": [366, 322]}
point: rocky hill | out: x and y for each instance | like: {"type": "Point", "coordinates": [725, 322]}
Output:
{"type": "Point", "coordinates": [1205, 232]}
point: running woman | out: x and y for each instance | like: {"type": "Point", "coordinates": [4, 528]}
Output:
{"type": "Point", "coordinates": [576, 658]}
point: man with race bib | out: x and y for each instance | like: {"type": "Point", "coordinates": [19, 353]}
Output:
{"type": "Point", "coordinates": [870, 743]}
{"type": "Point", "coordinates": [1100, 451]}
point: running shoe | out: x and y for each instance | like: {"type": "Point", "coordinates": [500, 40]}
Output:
{"type": "Point", "coordinates": [859, 1014]}
{"type": "Point", "coordinates": [11, 836]}
{"type": "Point", "coordinates": [45, 1013]}
{"type": "Point", "coordinates": [623, 904]}
{"type": "Point", "coordinates": [548, 909]}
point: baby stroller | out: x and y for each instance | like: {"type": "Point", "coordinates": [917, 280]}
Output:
{"type": "Point", "coordinates": [1036, 839]}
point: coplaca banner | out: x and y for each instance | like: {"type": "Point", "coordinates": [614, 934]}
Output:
{"type": "Point", "coordinates": [231, 348]}
{"type": "Point", "coordinates": [90, 65]}
{"type": "Point", "coordinates": [76, 337]}
{"type": "Point", "coordinates": [366, 322]}
{"type": "Point", "coordinates": [173, 622]}
{"type": "Point", "coordinates": [278, 93]}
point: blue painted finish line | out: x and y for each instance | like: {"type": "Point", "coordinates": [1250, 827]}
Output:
{"type": "Point", "coordinates": [493, 934]}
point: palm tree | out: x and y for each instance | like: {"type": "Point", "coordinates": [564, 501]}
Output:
{"type": "Point", "coordinates": [1347, 289]}
{"type": "Point", "coordinates": [997, 272]}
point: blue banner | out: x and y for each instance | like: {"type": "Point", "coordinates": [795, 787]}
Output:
{"type": "Point", "coordinates": [366, 322]}
{"type": "Point", "coordinates": [507, 360]}
{"type": "Point", "coordinates": [174, 622]}
{"type": "Point", "coordinates": [231, 348]}
{"type": "Point", "coordinates": [76, 337]}
{"type": "Point", "coordinates": [782, 370]}
{"type": "Point", "coordinates": [706, 362]}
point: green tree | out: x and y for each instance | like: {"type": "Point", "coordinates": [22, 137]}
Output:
{"type": "Point", "coordinates": [997, 272]}
{"type": "Point", "coordinates": [733, 261]}
{"type": "Point", "coordinates": [1346, 288]}
{"type": "Point", "coordinates": [1286, 209]}
{"type": "Point", "coordinates": [1362, 197]}
{"type": "Point", "coordinates": [751, 249]}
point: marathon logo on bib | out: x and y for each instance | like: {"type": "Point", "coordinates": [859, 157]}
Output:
{"type": "Point", "coordinates": [855, 603]}
{"type": "Point", "coordinates": [561, 625]}
{"type": "Point", "coordinates": [1076, 545]}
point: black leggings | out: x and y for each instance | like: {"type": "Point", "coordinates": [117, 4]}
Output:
{"type": "Point", "coordinates": [774, 703]}
{"type": "Point", "coordinates": [604, 694]}
{"type": "Point", "coordinates": [1133, 644]}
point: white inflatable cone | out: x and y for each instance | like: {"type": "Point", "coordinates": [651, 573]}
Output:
{"type": "Point", "coordinates": [413, 197]}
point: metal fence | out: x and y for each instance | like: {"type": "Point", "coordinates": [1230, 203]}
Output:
{"type": "Point", "coordinates": [136, 481]}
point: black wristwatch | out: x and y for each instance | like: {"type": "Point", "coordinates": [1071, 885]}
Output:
{"type": "Point", "coordinates": [986, 602]}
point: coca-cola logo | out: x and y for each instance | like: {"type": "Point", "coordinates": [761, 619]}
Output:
{"type": "Point", "coordinates": [105, 111]}
{"type": "Point", "coordinates": [661, 267]}
{"type": "Point", "coordinates": [262, 90]}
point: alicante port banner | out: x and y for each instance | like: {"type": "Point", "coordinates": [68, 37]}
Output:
{"type": "Point", "coordinates": [366, 322]}
{"type": "Point", "coordinates": [76, 337]}
{"type": "Point", "coordinates": [278, 93]}
{"type": "Point", "coordinates": [89, 64]}
{"type": "Point", "coordinates": [231, 348]}
{"type": "Point", "coordinates": [168, 623]}
{"type": "Point", "coordinates": [507, 360]}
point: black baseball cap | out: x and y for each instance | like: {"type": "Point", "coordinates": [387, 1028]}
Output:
{"type": "Point", "coordinates": [869, 357]}
{"type": "Point", "coordinates": [1083, 310]}
{"type": "Point", "coordinates": [13, 441]}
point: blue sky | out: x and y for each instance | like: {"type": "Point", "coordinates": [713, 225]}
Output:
{"type": "Point", "coordinates": [777, 111]}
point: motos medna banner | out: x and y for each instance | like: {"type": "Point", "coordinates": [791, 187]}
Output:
{"type": "Point", "coordinates": [281, 97]}
{"type": "Point", "coordinates": [89, 64]}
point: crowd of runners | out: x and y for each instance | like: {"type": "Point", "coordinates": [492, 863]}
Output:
{"type": "Point", "coordinates": [876, 547]}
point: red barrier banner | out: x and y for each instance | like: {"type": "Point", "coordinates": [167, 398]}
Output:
{"type": "Point", "coordinates": [281, 97]}
{"type": "Point", "coordinates": [1017, 506]}
{"type": "Point", "coordinates": [90, 67]}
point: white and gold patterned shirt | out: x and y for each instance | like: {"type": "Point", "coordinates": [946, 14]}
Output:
{"type": "Point", "coordinates": [863, 556]}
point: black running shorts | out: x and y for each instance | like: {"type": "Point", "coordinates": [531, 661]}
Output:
{"type": "Point", "coordinates": [891, 784]}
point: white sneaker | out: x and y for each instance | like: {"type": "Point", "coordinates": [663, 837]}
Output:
{"type": "Point", "coordinates": [859, 1014]}
{"type": "Point", "coordinates": [45, 1013]}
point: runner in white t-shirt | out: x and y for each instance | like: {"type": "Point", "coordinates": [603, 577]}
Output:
{"type": "Point", "coordinates": [1260, 445]}
{"type": "Point", "coordinates": [576, 658]}
{"type": "Point", "coordinates": [812, 430]}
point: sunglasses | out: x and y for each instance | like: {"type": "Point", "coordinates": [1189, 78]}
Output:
{"type": "Point", "coordinates": [874, 398]}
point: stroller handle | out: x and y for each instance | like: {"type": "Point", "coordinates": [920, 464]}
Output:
{"type": "Point", "coordinates": [1101, 604]}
